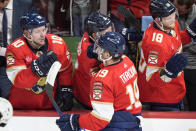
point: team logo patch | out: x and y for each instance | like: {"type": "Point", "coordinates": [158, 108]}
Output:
{"type": "Point", "coordinates": [10, 60]}
{"type": "Point", "coordinates": [153, 57]}
{"type": "Point", "coordinates": [97, 90]}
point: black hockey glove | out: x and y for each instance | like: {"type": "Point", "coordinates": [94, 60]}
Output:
{"type": "Point", "coordinates": [68, 122]}
{"type": "Point", "coordinates": [64, 98]}
{"type": "Point", "coordinates": [131, 34]}
{"type": "Point", "coordinates": [191, 29]}
{"type": "Point", "coordinates": [175, 65]}
{"type": "Point", "coordinates": [41, 65]}
{"type": "Point", "coordinates": [90, 53]}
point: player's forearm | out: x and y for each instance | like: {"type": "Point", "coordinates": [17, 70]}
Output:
{"type": "Point", "coordinates": [25, 79]}
{"type": "Point", "coordinates": [64, 77]}
{"type": "Point", "coordinates": [156, 78]}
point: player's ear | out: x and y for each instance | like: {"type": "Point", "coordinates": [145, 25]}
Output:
{"type": "Point", "coordinates": [26, 33]}
{"type": "Point", "coordinates": [158, 20]}
{"type": "Point", "coordinates": [107, 54]}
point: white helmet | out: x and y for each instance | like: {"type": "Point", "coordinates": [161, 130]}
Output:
{"type": "Point", "coordinates": [6, 111]}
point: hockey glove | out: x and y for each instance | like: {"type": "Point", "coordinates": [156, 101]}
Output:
{"type": "Point", "coordinates": [191, 29]}
{"type": "Point", "coordinates": [90, 53]}
{"type": "Point", "coordinates": [175, 65]}
{"type": "Point", "coordinates": [64, 98]}
{"type": "Point", "coordinates": [41, 65]}
{"type": "Point", "coordinates": [68, 122]}
{"type": "Point", "coordinates": [131, 34]}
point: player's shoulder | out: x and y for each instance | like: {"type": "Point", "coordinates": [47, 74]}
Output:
{"type": "Point", "coordinates": [55, 42]}
{"type": "Point", "coordinates": [154, 37]}
{"type": "Point", "coordinates": [55, 39]}
{"type": "Point", "coordinates": [18, 46]}
{"type": "Point", "coordinates": [18, 43]}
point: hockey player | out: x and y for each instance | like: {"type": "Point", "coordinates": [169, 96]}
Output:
{"type": "Point", "coordinates": [161, 78]}
{"type": "Point", "coordinates": [6, 113]}
{"type": "Point", "coordinates": [114, 92]}
{"type": "Point", "coordinates": [29, 59]}
{"type": "Point", "coordinates": [96, 25]}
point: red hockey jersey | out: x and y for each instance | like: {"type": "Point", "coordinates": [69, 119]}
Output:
{"type": "Point", "coordinates": [113, 88]}
{"type": "Point", "coordinates": [157, 48]}
{"type": "Point", "coordinates": [19, 57]}
{"type": "Point", "coordinates": [83, 66]}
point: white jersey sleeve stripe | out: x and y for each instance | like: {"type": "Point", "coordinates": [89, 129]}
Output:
{"type": "Point", "coordinates": [102, 110]}
{"type": "Point", "coordinates": [13, 71]}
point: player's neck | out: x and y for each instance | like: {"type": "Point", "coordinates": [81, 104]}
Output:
{"type": "Point", "coordinates": [112, 62]}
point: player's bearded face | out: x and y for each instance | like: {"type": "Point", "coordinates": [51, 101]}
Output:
{"type": "Point", "coordinates": [38, 35]}
{"type": "Point", "coordinates": [169, 21]}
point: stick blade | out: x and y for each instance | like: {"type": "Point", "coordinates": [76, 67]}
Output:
{"type": "Point", "coordinates": [130, 17]}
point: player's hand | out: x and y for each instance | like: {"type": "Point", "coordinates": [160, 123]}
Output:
{"type": "Point", "coordinates": [68, 122]}
{"type": "Point", "coordinates": [175, 65]}
{"type": "Point", "coordinates": [39, 87]}
{"type": "Point", "coordinates": [131, 35]}
{"type": "Point", "coordinates": [90, 53]}
{"type": "Point", "coordinates": [64, 98]}
{"type": "Point", "coordinates": [191, 29]}
{"type": "Point", "coordinates": [41, 65]}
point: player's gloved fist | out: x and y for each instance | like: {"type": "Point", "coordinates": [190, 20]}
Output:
{"type": "Point", "coordinates": [64, 98]}
{"type": "Point", "coordinates": [191, 29]}
{"type": "Point", "coordinates": [68, 122]}
{"type": "Point", "coordinates": [175, 65]}
{"type": "Point", "coordinates": [131, 34]}
{"type": "Point", "coordinates": [90, 53]}
{"type": "Point", "coordinates": [41, 65]}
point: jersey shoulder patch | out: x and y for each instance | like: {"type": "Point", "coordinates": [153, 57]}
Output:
{"type": "Point", "coordinates": [97, 90]}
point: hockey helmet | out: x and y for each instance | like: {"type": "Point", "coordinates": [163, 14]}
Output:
{"type": "Point", "coordinates": [161, 8]}
{"type": "Point", "coordinates": [31, 21]}
{"type": "Point", "coordinates": [97, 22]}
{"type": "Point", "coordinates": [112, 42]}
{"type": "Point", "coordinates": [6, 111]}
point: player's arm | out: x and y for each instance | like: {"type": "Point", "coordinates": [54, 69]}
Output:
{"type": "Point", "coordinates": [18, 72]}
{"type": "Point", "coordinates": [161, 70]}
{"type": "Point", "coordinates": [153, 61]}
{"type": "Point", "coordinates": [98, 118]}
{"type": "Point", "coordinates": [190, 32]}
{"type": "Point", "coordinates": [103, 110]}
{"type": "Point", "coordinates": [25, 76]}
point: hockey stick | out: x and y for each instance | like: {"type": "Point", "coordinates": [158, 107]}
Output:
{"type": "Point", "coordinates": [133, 22]}
{"type": "Point", "coordinates": [130, 17]}
{"type": "Point", "coordinates": [49, 85]}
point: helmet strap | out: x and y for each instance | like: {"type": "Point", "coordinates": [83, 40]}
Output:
{"type": "Point", "coordinates": [31, 39]}
{"type": "Point", "coordinates": [104, 60]}
{"type": "Point", "coordinates": [160, 25]}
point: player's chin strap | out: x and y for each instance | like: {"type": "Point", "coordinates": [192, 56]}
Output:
{"type": "Point", "coordinates": [105, 60]}
{"type": "Point", "coordinates": [31, 39]}
{"type": "Point", "coordinates": [160, 25]}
